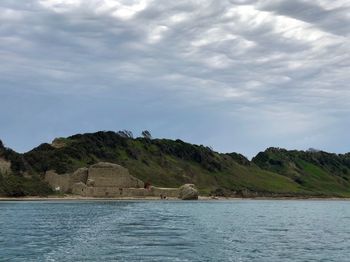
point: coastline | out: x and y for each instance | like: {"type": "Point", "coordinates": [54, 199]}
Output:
{"type": "Point", "coordinates": [201, 198]}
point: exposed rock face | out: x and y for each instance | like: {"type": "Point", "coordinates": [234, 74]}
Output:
{"type": "Point", "coordinates": [58, 142]}
{"type": "Point", "coordinates": [188, 192]}
{"type": "Point", "coordinates": [5, 166]}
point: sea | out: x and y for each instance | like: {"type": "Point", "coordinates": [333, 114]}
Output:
{"type": "Point", "coordinates": [222, 230]}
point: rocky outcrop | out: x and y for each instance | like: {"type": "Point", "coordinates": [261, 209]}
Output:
{"type": "Point", "coordinates": [59, 142]}
{"type": "Point", "coordinates": [188, 192]}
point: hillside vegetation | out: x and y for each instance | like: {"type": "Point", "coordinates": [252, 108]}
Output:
{"type": "Point", "coordinates": [317, 171]}
{"type": "Point", "coordinates": [169, 163]}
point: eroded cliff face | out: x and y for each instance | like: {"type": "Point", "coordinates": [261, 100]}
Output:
{"type": "Point", "coordinates": [5, 166]}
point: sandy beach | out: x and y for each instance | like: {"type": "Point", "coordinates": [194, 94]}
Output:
{"type": "Point", "coordinates": [200, 198]}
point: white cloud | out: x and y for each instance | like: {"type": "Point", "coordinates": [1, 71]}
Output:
{"type": "Point", "coordinates": [238, 56]}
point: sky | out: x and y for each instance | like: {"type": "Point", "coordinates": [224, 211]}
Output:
{"type": "Point", "coordinates": [235, 75]}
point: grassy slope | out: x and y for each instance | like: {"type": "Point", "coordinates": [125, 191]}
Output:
{"type": "Point", "coordinates": [318, 172]}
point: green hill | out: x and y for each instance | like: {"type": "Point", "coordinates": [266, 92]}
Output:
{"type": "Point", "coordinates": [170, 163]}
{"type": "Point", "coordinates": [316, 171]}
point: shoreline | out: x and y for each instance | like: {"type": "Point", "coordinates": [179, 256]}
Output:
{"type": "Point", "coordinates": [201, 198]}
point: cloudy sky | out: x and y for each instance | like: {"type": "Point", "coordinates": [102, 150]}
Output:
{"type": "Point", "coordinates": [236, 75]}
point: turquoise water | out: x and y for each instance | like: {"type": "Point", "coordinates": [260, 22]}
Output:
{"type": "Point", "coordinates": [237, 230]}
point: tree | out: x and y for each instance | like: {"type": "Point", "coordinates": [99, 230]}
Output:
{"type": "Point", "coordinates": [146, 134]}
{"type": "Point", "coordinates": [1, 145]}
{"type": "Point", "coordinates": [125, 134]}
{"type": "Point", "coordinates": [313, 150]}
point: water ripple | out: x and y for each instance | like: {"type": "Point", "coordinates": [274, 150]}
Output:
{"type": "Point", "coordinates": [175, 231]}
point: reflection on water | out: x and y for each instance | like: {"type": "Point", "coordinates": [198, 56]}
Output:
{"type": "Point", "coordinates": [239, 230]}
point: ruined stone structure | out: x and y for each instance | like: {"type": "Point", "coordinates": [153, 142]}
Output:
{"type": "Point", "coordinates": [107, 175]}
{"type": "Point", "coordinates": [105, 180]}
{"type": "Point", "coordinates": [91, 191]}
{"type": "Point", "coordinates": [58, 182]}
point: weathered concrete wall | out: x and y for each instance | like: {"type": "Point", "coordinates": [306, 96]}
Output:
{"type": "Point", "coordinates": [168, 192]}
{"type": "Point", "coordinates": [65, 182]}
{"type": "Point", "coordinates": [153, 191]}
{"type": "Point", "coordinates": [83, 190]}
{"type": "Point", "coordinates": [5, 166]}
{"type": "Point", "coordinates": [107, 174]}
{"type": "Point", "coordinates": [79, 189]}
{"type": "Point", "coordinates": [80, 175]}
{"type": "Point", "coordinates": [58, 182]}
